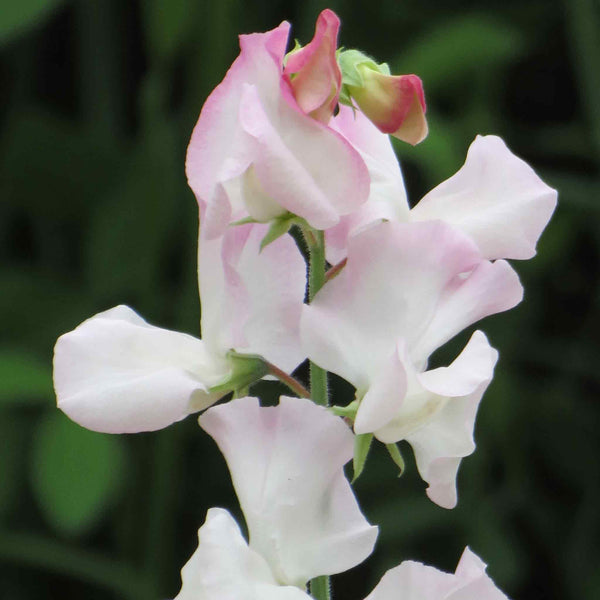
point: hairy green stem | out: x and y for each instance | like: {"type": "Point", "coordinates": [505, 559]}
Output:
{"type": "Point", "coordinates": [316, 279]}
{"type": "Point", "coordinates": [320, 587]}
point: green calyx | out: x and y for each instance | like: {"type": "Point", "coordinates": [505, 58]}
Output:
{"type": "Point", "coordinates": [246, 369]}
{"type": "Point", "coordinates": [352, 64]}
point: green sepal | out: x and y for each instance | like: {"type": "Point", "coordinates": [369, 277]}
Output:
{"type": "Point", "coordinates": [349, 61]}
{"type": "Point", "coordinates": [279, 226]}
{"type": "Point", "coordinates": [396, 457]}
{"type": "Point", "coordinates": [348, 411]}
{"type": "Point", "coordinates": [244, 221]}
{"type": "Point", "coordinates": [362, 445]}
{"type": "Point", "coordinates": [246, 369]}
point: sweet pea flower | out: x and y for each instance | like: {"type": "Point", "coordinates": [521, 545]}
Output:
{"type": "Point", "coordinates": [286, 463]}
{"type": "Point", "coordinates": [261, 148]}
{"type": "Point", "coordinates": [406, 289]}
{"type": "Point", "coordinates": [495, 198]}
{"type": "Point", "coordinates": [415, 581]}
{"type": "Point", "coordinates": [116, 373]}
{"type": "Point", "coordinates": [395, 104]}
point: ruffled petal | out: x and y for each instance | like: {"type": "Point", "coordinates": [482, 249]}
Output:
{"type": "Point", "coordinates": [252, 299]}
{"type": "Point", "coordinates": [389, 289]}
{"type": "Point", "coordinates": [421, 582]}
{"type": "Point", "coordinates": [387, 197]}
{"type": "Point", "coordinates": [115, 373]}
{"type": "Point", "coordinates": [286, 464]}
{"type": "Point", "coordinates": [224, 568]}
{"type": "Point", "coordinates": [489, 289]}
{"type": "Point", "coordinates": [496, 198]}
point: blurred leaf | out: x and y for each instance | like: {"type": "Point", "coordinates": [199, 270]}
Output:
{"type": "Point", "coordinates": [9, 463]}
{"type": "Point", "coordinates": [18, 17]}
{"type": "Point", "coordinates": [131, 229]}
{"type": "Point", "coordinates": [168, 23]}
{"type": "Point", "coordinates": [76, 473]}
{"type": "Point", "coordinates": [459, 49]}
{"type": "Point", "coordinates": [51, 168]}
{"type": "Point", "coordinates": [25, 379]}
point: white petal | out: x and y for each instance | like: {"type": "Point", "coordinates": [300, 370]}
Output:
{"type": "Point", "coordinates": [286, 464]}
{"type": "Point", "coordinates": [115, 373]}
{"type": "Point", "coordinates": [440, 444]}
{"type": "Point", "coordinates": [251, 299]}
{"type": "Point", "coordinates": [496, 198]}
{"type": "Point", "coordinates": [416, 581]}
{"type": "Point", "coordinates": [224, 568]}
{"type": "Point", "coordinates": [389, 289]}
{"type": "Point", "coordinates": [489, 289]}
{"type": "Point", "coordinates": [387, 197]}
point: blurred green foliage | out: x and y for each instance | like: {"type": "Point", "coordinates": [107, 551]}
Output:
{"type": "Point", "coordinates": [100, 97]}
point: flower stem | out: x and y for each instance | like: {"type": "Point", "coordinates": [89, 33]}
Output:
{"type": "Point", "coordinates": [316, 278]}
{"type": "Point", "coordinates": [320, 587]}
{"type": "Point", "coordinates": [288, 380]}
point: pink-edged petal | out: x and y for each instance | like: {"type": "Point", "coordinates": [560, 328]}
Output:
{"type": "Point", "coordinates": [306, 167]}
{"type": "Point", "coordinates": [496, 198]}
{"type": "Point", "coordinates": [395, 103]}
{"type": "Point", "coordinates": [384, 398]}
{"type": "Point", "coordinates": [422, 582]}
{"type": "Point", "coordinates": [414, 581]}
{"type": "Point", "coordinates": [315, 75]}
{"type": "Point", "coordinates": [389, 289]}
{"type": "Point", "coordinates": [252, 299]}
{"type": "Point", "coordinates": [441, 443]}
{"type": "Point", "coordinates": [387, 198]}
{"type": "Point", "coordinates": [223, 567]}
{"type": "Point", "coordinates": [115, 373]}
{"type": "Point", "coordinates": [489, 289]}
{"type": "Point", "coordinates": [286, 463]}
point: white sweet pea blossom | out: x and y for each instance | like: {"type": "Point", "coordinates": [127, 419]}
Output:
{"type": "Point", "coordinates": [406, 290]}
{"type": "Point", "coordinates": [415, 581]}
{"type": "Point", "coordinates": [286, 463]}
{"type": "Point", "coordinates": [116, 373]}
{"type": "Point", "coordinates": [495, 198]}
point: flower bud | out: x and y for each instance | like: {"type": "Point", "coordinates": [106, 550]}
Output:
{"type": "Point", "coordinates": [313, 71]}
{"type": "Point", "coordinates": [395, 104]}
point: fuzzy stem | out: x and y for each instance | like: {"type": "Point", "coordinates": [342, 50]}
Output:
{"type": "Point", "coordinates": [288, 380]}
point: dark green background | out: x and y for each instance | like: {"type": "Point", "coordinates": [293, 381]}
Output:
{"type": "Point", "coordinates": [98, 101]}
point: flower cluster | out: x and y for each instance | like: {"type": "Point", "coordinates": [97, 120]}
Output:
{"type": "Point", "coordinates": [300, 139]}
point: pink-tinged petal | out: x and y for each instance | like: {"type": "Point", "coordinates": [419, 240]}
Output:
{"type": "Point", "coordinates": [489, 289]}
{"type": "Point", "coordinates": [440, 445]}
{"type": "Point", "coordinates": [387, 198]}
{"type": "Point", "coordinates": [496, 198]}
{"type": "Point", "coordinates": [286, 463]}
{"type": "Point", "coordinates": [251, 299]}
{"type": "Point", "coordinates": [384, 398]}
{"type": "Point", "coordinates": [294, 156]}
{"type": "Point", "coordinates": [313, 71]}
{"type": "Point", "coordinates": [223, 567]}
{"type": "Point", "coordinates": [415, 581]}
{"type": "Point", "coordinates": [421, 582]}
{"type": "Point", "coordinates": [307, 168]}
{"type": "Point", "coordinates": [115, 373]}
{"type": "Point", "coordinates": [389, 289]}
{"type": "Point", "coordinates": [395, 103]}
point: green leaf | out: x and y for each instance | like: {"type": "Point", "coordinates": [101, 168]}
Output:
{"type": "Point", "coordinates": [25, 379]}
{"type": "Point", "coordinates": [396, 457]}
{"type": "Point", "coordinates": [19, 17]}
{"type": "Point", "coordinates": [76, 474]}
{"type": "Point", "coordinates": [362, 445]}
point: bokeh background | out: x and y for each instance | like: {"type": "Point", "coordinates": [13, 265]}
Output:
{"type": "Point", "coordinates": [99, 98]}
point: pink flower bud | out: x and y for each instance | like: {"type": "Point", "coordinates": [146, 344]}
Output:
{"type": "Point", "coordinates": [313, 71]}
{"type": "Point", "coordinates": [395, 104]}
